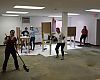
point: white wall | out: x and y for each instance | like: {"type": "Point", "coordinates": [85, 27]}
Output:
{"type": "Point", "coordinates": [90, 22]}
{"type": "Point", "coordinates": [6, 24]}
{"type": "Point", "coordinates": [79, 22]}
{"type": "Point", "coordinates": [36, 21]}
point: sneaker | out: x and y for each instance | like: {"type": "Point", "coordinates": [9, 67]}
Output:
{"type": "Point", "coordinates": [3, 71]}
{"type": "Point", "coordinates": [57, 56]}
{"type": "Point", "coordinates": [62, 58]}
{"type": "Point", "coordinates": [30, 49]}
{"type": "Point", "coordinates": [18, 69]}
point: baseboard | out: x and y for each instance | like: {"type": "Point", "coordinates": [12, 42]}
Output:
{"type": "Point", "coordinates": [2, 45]}
{"type": "Point", "coordinates": [37, 43]}
{"type": "Point", "coordinates": [88, 44]}
{"type": "Point", "coordinates": [40, 43]}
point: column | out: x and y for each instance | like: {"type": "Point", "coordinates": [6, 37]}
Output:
{"type": "Point", "coordinates": [53, 28]}
{"type": "Point", "coordinates": [64, 27]}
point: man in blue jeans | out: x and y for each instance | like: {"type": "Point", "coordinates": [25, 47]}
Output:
{"type": "Point", "coordinates": [32, 39]}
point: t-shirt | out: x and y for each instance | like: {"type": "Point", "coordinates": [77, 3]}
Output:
{"type": "Point", "coordinates": [25, 33]}
{"type": "Point", "coordinates": [60, 37]}
{"type": "Point", "coordinates": [32, 33]}
{"type": "Point", "coordinates": [84, 32]}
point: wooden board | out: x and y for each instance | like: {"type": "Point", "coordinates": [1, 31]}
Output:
{"type": "Point", "coordinates": [71, 31]}
{"type": "Point", "coordinates": [46, 27]}
{"type": "Point", "coordinates": [18, 32]}
{"type": "Point", "coordinates": [18, 36]}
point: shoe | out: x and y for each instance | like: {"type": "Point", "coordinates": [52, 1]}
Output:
{"type": "Point", "coordinates": [32, 49]}
{"type": "Point", "coordinates": [18, 69]}
{"type": "Point", "coordinates": [3, 71]}
{"type": "Point", "coordinates": [62, 58]}
{"type": "Point", "coordinates": [57, 56]}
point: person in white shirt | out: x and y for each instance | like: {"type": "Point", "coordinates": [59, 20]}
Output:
{"type": "Point", "coordinates": [60, 42]}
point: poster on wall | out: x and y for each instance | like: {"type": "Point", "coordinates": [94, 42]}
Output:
{"type": "Point", "coordinates": [25, 19]}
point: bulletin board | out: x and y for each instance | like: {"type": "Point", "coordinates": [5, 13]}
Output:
{"type": "Point", "coordinates": [71, 31]}
{"type": "Point", "coordinates": [18, 35]}
{"type": "Point", "coordinates": [46, 27]}
{"type": "Point", "coordinates": [18, 32]}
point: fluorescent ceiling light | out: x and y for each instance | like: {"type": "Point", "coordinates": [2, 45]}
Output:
{"type": "Point", "coordinates": [29, 7]}
{"type": "Point", "coordinates": [54, 16]}
{"type": "Point", "coordinates": [93, 10]}
{"type": "Point", "coordinates": [9, 15]}
{"type": "Point", "coordinates": [69, 14]}
{"type": "Point", "coordinates": [17, 12]}
{"type": "Point", "coordinates": [73, 14]}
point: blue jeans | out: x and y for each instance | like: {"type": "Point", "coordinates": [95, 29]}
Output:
{"type": "Point", "coordinates": [32, 42]}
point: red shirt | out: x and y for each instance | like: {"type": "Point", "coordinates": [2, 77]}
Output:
{"type": "Point", "coordinates": [84, 32]}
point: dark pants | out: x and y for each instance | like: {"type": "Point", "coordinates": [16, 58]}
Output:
{"type": "Point", "coordinates": [84, 38]}
{"type": "Point", "coordinates": [62, 48]}
{"type": "Point", "coordinates": [7, 54]}
{"type": "Point", "coordinates": [32, 42]}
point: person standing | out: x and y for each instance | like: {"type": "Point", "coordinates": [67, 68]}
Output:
{"type": "Point", "coordinates": [83, 35]}
{"type": "Point", "coordinates": [32, 38]}
{"type": "Point", "coordinates": [11, 48]}
{"type": "Point", "coordinates": [25, 32]}
{"type": "Point", "coordinates": [60, 42]}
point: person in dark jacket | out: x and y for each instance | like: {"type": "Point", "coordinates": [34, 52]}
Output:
{"type": "Point", "coordinates": [11, 48]}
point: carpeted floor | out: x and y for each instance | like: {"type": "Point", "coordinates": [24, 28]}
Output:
{"type": "Point", "coordinates": [79, 64]}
